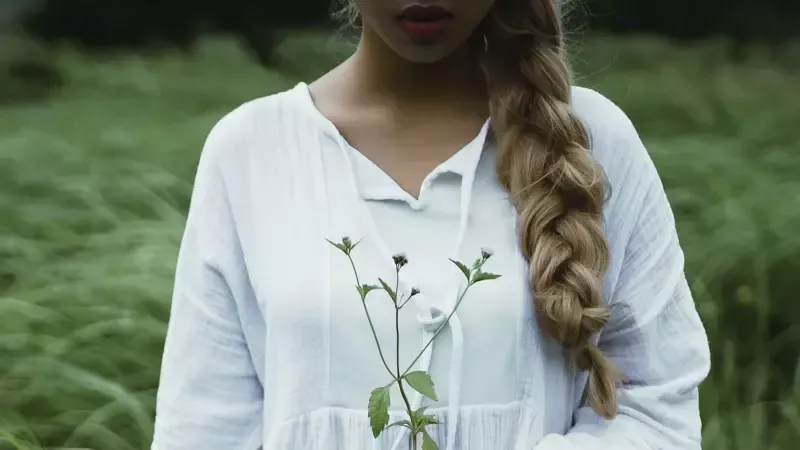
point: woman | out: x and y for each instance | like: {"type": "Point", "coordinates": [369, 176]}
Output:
{"type": "Point", "coordinates": [590, 340]}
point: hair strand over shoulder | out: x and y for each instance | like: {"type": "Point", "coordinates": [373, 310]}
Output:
{"type": "Point", "coordinates": [558, 189]}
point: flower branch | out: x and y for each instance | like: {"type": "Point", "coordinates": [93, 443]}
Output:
{"type": "Point", "coordinates": [420, 381]}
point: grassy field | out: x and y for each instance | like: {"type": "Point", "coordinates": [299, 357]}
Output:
{"type": "Point", "coordinates": [94, 185]}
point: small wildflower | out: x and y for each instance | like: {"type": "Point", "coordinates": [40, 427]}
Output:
{"type": "Point", "coordinates": [400, 260]}
{"type": "Point", "coordinates": [418, 380]}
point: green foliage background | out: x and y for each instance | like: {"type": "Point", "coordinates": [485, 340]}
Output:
{"type": "Point", "coordinates": [95, 181]}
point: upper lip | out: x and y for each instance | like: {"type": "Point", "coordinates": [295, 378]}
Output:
{"type": "Point", "coordinates": [425, 13]}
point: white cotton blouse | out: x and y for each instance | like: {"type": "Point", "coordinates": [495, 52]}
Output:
{"type": "Point", "coordinates": [268, 345]}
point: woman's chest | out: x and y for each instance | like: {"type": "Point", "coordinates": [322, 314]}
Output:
{"type": "Point", "coordinates": [311, 297]}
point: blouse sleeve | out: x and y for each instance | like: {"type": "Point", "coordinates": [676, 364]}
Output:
{"type": "Point", "coordinates": [209, 395]}
{"type": "Point", "coordinates": [656, 336]}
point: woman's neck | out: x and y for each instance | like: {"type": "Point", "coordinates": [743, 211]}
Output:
{"type": "Point", "coordinates": [381, 72]}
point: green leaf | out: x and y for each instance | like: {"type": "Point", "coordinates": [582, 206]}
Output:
{"type": "Point", "coordinates": [422, 383]}
{"type": "Point", "coordinates": [389, 290]}
{"type": "Point", "coordinates": [427, 441]}
{"type": "Point", "coordinates": [428, 419]}
{"type": "Point", "coordinates": [477, 264]}
{"type": "Point", "coordinates": [339, 246]}
{"type": "Point", "coordinates": [420, 418]}
{"type": "Point", "coordinates": [378, 409]}
{"type": "Point", "coordinates": [365, 289]}
{"type": "Point", "coordinates": [400, 423]}
{"type": "Point", "coordinates": [462, 268]}
{"type": "Point", "coordinates": [482, 276]}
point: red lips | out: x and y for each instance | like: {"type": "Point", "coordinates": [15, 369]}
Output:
{"type": "Point", "coordinates": [424, 22]}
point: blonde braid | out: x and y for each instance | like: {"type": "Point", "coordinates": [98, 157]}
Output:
{"type": "Point", "coordinates": [558, 189]}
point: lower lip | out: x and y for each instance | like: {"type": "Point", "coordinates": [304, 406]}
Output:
{"type": "Point", "coordinates": [423, 29]}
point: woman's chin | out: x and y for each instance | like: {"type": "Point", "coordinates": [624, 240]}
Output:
{"type": "Point", "coordinates": [425, 53]}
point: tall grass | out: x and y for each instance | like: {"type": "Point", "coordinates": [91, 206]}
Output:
{"type": "Point", "coordinates": [94, 185]}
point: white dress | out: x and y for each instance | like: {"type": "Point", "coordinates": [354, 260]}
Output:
{"type": "Point", "coordinates": [268, 345]}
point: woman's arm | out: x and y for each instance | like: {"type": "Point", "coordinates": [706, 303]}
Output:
{"type": "Point", "coordinates": [655, 336]}
{"type": "Point", "coordinates": [209, 396]}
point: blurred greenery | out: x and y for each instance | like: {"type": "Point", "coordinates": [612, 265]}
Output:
{"type": "Point", "coordinates": [95, 181]}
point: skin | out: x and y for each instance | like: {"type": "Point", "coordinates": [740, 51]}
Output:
{"type": "Point", "coordinates": [409, 106]}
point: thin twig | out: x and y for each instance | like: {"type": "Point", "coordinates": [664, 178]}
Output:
{"type": "Point", "coordinates": [438, 330]}
{"type": "Point", "coordinates": [369, 319]}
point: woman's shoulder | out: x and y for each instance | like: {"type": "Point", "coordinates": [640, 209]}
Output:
{"type": "Point", "coordinates": [258, 126]}
{"type": "Point", "coordinates": [617, 147]}
{"type": "Point", "coordinates": [613, 139]}
{"type": "Point", "coordinates": [267, 115]}
{"type": "Point", "coordinates": [606, 122]}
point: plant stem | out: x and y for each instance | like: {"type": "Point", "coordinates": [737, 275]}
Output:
{"type": "Point", "coordinates": [371, 326]}
{"type": "Point", "coordinates": [438, 330]}
{"type": "Point", "coordinates": [397, 358]}
{"type": "Point", "coordinates": [406, 301]}
{"type": "Point", "coordinates": [402, 389]}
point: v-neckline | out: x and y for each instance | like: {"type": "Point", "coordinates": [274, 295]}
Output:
{"type": "Point", "coordinates": [376, 184]}
{"type": "Point", "coordinates": [470, 154]}
{"type": "Point", "coordinates": [366, 217]}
